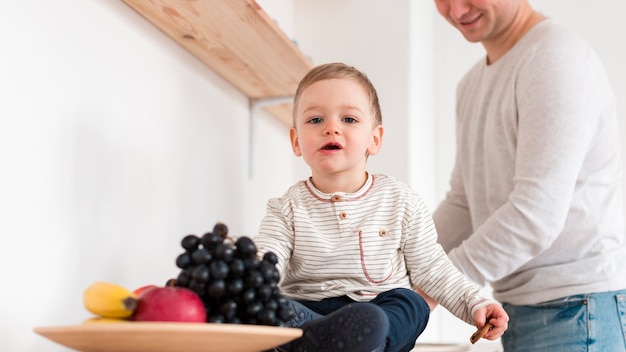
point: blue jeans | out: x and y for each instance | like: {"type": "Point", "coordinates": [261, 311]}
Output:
{"type": "Point", "coordinates": [594, 322]}
{"type": "Point", "coordinates": [407, 311]}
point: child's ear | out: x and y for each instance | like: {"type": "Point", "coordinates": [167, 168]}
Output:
{"type": "Point", "coordinates": [295, 143]}
{"type": "Point", "coordinates": [377, 140]}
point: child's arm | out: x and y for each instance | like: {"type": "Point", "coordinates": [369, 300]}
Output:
{"type": "Point", "coordinates": [431, 302]}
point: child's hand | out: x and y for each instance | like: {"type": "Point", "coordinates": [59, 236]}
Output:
{"type": "Point", "coordinates": [497, 318]}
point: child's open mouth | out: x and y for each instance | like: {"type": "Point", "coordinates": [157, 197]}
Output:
{"type": "Point", "coordinates": [331, 146]}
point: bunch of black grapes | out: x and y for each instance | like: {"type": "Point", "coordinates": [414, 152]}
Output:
{"type": "Point", "coordinates": [235, 286]}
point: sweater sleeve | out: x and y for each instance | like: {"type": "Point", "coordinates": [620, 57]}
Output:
{"type": "Point", "coordinates": [433, 272]}
{"type": "Point", "coordinates": [559, 95]}
{"type": "Point", "coordinates": [276, 233]}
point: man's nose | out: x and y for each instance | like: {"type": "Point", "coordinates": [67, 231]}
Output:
{"type": "Point", "coordinates": [458, 8]}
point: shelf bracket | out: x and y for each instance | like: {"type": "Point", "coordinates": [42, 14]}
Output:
{"type": "Point", "coordinates": [255, 106]}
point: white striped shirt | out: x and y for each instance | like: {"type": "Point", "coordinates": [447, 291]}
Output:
{"type": "Point", "coordinates": [361, 244]}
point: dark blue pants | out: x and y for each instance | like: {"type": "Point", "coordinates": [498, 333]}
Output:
{"type": "Point", "coordinates": [407, 311]}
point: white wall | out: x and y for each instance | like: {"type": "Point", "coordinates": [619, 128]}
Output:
{"type": "Point", "coordinates": [115, 142]}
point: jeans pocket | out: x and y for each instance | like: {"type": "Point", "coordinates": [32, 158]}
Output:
{"type": "Point", "coordinates": [621, 312]}
{"type": "Point", "coordinates": [558, 325]}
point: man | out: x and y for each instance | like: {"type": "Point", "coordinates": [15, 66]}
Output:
{"type": "Point", "coordinates": [535, 200]}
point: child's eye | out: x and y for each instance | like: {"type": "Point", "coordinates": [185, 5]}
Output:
{"type": "Point", "coordinates": [315, 120]}
{"type": "Point", "coordinates": [349, 119]}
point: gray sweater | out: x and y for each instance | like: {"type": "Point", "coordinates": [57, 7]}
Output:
{"type": "Point", "coordinates": [535, 200]}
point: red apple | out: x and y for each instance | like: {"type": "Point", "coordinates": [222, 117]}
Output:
{"type": "Point", "coordinates": [170, 304]}
{"type": "Point", "coordinates": [142, 289]}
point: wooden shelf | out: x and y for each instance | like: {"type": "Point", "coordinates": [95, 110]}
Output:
{"type": "Point", "coordinates": [236, 39]}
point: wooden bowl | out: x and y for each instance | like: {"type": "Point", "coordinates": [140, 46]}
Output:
{"type": "Point", "coordinates": [168, 337]}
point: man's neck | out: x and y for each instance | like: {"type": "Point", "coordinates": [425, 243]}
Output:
{"type": "Point", "coordinates": [497, 47]}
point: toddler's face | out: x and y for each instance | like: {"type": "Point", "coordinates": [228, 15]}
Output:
{"type": "Point", "coordinates": [334, 127]}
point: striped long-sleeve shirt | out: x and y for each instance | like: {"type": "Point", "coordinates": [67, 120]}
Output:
{"type": "Point", "coordinates": [360, 244]}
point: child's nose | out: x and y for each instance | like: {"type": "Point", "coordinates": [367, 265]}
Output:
{"type": "Point", "coordinates": [331, 128]}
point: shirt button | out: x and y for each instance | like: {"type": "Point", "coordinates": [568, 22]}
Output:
{"type": "Point", "coordinates": [343, 215]}
{"type": "Point", "coordinates": [382, 233]}
{"type": "Point", "coordinates": [336, 198]}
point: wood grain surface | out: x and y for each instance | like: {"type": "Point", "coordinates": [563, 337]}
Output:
{"type": "Point", "coordinates": [168, 337]}
{"type": "Point", "coordinates": [238, 40]}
